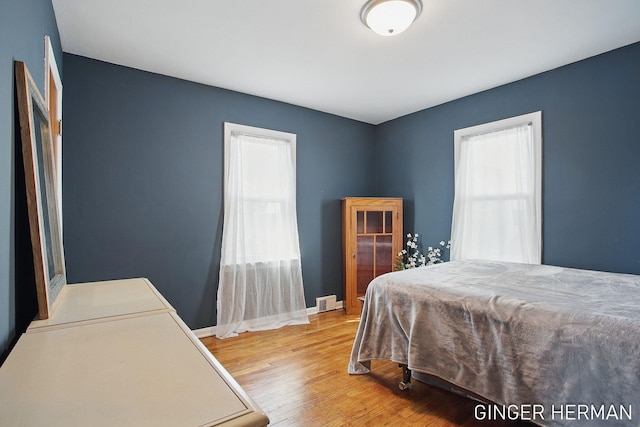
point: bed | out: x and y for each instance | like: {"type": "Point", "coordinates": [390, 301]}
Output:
{"type": "Point", "coordinates": [515, 335]}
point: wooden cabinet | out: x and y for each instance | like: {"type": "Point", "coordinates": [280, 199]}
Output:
{"type": "Point", "coordinates": [371, 240]}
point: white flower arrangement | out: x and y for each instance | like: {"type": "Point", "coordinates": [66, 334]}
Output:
{"type": "Point", "coordinates": [412, 257]}
{"type": "Point", "coordinates": [434, 254]}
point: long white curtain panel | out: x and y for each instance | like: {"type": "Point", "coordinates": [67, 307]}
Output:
{"type": "Point", "coordinates": [497, 204]}
{"type": "Point", "coordinates": [260, 283]}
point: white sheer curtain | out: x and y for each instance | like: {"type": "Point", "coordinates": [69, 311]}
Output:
{"type": "Point", "coordinates": [497, 211]}
{"type": "Point", "coordinates": [260, 284]}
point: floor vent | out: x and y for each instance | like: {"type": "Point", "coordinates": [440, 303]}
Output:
{"type": "Point", "coordinates": [326, 303]}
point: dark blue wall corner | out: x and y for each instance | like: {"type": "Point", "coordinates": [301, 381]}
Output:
{"type": "Point", "coordinates": [143, 174]}
{"type": "Point", "coordinates": [591, 150]}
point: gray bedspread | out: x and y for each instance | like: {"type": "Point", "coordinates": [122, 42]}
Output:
{"type": "Point", "coordinates": [516, 334]}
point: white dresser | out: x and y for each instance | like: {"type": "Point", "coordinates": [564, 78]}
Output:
{"type": "Point", "coordinates": [116, 354]}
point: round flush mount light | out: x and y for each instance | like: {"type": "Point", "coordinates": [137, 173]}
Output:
{"type": "Point", "coordinates": [390, 17]}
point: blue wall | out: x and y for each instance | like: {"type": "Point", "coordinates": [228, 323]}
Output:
{"type": "Point", "coordinates": [591, 150]}
{"type": "Point", "coordinates": [142, 176]}
{"type": "Point", "coordinates": [23, 25]}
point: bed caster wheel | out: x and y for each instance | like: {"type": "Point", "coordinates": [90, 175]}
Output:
{"type": "Point", "coordinates": [405, 384]}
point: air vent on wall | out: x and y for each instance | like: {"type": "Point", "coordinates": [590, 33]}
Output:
{"type": "Point", "coordinates": [326, 303]}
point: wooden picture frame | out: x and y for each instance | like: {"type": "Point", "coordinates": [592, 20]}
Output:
{"type": "Point", "coordinates": [40, 181]}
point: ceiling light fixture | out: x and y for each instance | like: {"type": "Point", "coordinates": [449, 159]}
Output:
{"type": "Point", "coordinates": [390, 17]}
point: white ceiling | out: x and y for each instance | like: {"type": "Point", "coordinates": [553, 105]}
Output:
{"type": "Point", "coordinates": [318, 54]}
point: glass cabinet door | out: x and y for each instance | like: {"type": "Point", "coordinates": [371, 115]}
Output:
{"type": "Point", "coordinates": [374, 251]}
{"type": "Point", "coordinates": [372, 237]}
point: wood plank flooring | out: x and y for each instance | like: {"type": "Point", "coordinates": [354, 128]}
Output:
{"type": "Point", "coordinates": [298, 376]}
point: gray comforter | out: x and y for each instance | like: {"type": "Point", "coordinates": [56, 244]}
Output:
{"type": "Point", "coordinates": [564, 339]}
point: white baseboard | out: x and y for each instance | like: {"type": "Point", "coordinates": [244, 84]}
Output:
{"type": "Point", "coordinates": [211, 330]}
{"type": "Point", "coordinates": [205, 332]}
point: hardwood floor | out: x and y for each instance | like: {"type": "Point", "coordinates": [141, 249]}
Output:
{"type": "Point", "coordinates": [298, 376]}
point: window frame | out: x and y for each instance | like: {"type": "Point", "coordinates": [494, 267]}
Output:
{"type": "Point", "coordinates": [231, 129]}
{"type": "Point", "coordinates": [535, 120]}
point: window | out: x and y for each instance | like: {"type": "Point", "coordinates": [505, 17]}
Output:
{"type": "Point", "coordinates": [261, 174]}
{"type": "Point", "coordinates": [260, 285]}
{"type": "Point", "coordinates": [497, 212]}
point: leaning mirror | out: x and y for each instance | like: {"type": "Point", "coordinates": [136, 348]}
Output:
{"type": "Point", "coordinates": [44, 226]}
